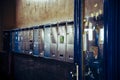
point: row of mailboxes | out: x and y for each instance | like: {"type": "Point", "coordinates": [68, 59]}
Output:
{"type": "Point", "coordinates": [54, 42]}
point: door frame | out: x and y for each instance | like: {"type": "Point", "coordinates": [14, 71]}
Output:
{"type": "Point", "coordinates": [110, 37]}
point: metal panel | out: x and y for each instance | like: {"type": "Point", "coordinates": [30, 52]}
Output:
{"type": "Point", "coordinates": [25, 36]}
{"type": "Point", "coordinates": [70, 44]}
{"type": "Point", "coordinates": [10, 41]}
{"type": "Point", "coordinates": [61, 43]}
{"type": "Point", "coordinates": [26, 42]}
{"type": "Point", "coordinates": [22, 41]}
{"type": "Point", "coordinates": [30, 35]}
{"type": "Point", "coordinates": [47, 42]}
{"type": "Point", "coordinates": [26, 47]}
{"type": "Point", "coordinates": [36, 49]}
{"type": "Point", "coordinates": [70, 55]}
{"type": "Point", "coordinates": [13, 41]}
{"type": "Point", "coordinates": [35, 35]}
{"type": "Point", "coordinates": [19, 42]}
{"type": "Point", "coordinates": [20, 47]}
{"type": "Point", "coordinates": [41, 41]}
{"type": "Point", "coordinates": [30, 41]}
{"type": "Point", "coordinates": [53, 45]}
{"type": "Point", "coordinates": [36, 44]}
{"type": "Point", "coordinates": [16, 41]}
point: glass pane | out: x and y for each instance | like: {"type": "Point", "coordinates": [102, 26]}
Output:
{"type": "Point", "coordinates": [93, 38]}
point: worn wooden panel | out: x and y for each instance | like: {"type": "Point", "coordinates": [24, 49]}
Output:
{"type": "Point", "coordinates": [36, 12]}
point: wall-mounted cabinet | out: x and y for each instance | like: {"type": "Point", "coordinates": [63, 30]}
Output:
{"type": "Point", "coordinates": [54, 41]}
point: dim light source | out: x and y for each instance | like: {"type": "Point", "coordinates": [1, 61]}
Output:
{"type": "Point", "coordinates": [102, 34]}
{"type": "Point", "coordinates": [96, 5]}
{"type": "Point", "coordinates": [90, 33]}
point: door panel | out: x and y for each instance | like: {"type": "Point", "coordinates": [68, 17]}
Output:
{"type": "Point", "coordinates": [36, 43]}
{"type": "Point", "coordinates": [47, 42]}
{"type": "Point", "coordinates": [61, 43]}
{"type": "Point", "coordinates": [16, 41]}
{"type": "Point", "coordinates": [27, 48]}
{"type": "Point", "coordinates": [13, 41]}
{"type": "Point", "coordinates": [41, 42]}
{"type": "Point", "coordinates": [19, 41]}
{"type": "Point", "coordinates": [70, 44]}
{"type": "Point", "coordinates": [53, 45]}
{"type": "Point", "coordinates": [31, 41]}
{"type": "Point", "coordinates": [22, 41]}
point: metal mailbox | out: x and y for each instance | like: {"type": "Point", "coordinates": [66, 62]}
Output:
{"type": "Point", "coordinates": [70, 43]}
{"type": "Point", "coordinates": [61, 43]}
{"type": "Point", "coordinates": [54, 41]}
{"type": "Point", "coordinates": [41, 42]}
{"type": "Point", "coordinates": [36, 42]}
{"type": "Point", "coordinates": [47, 41]}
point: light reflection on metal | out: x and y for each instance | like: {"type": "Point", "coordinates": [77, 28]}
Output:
{"type": "Point", "coordinates": [90, 33]}
{"type": "Point", "coordinates": [100, 11]}
{"type": "Point", "coordinates": [96, 15]}
{"type": "Point", "coordinates": [96, 5]}
{"type": "Point", "coordinates": [84, 41]}
{"type": "Point", "coordinates": [77, 72]}
{"type": "Point", "coordinates": [92, 15]}
{"type": "Point", "coordinates": [54, 31]}
{"type": "Point", "coordinates": [101, 37]}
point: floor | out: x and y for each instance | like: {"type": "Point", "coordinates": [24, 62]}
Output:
{"type": "Point", "coordinates": [25, 67]}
